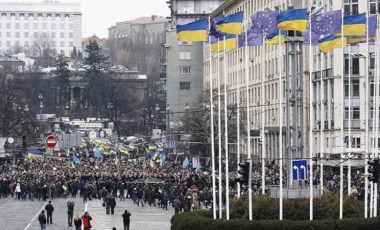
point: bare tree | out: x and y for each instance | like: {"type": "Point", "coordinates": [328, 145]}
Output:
{"type": "Point", "coordinates": [43, 50]}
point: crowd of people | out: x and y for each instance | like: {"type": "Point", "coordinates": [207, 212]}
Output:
{"type": "Point", "coordinates": [108, 179]}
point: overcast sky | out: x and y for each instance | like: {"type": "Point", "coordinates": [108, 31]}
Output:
{"type": "Point", "coordinates": [98, 15]}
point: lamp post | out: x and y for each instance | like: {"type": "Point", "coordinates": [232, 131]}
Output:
{"type": "Point", "coordinates": [110, 107]}
{"type": "Point", "coordinates": [187, 117]}
{"type": "Point", "coordinates": [168, 121]}
{"type": "Point", "coordinates": [41, 105]}
{"type": "Point", "coordinates": [157, 109]}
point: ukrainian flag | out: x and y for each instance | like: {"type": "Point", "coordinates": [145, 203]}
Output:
{"type": "Point", "coordinates": [232, 24]}
{"type": "Point", "coordinates": [276, 38]}
{"type": "Point", "coordinates": [360, 39]}
{"type": "Point", "coordinates": [355, 25]}
{"type": "Point", "coordinates": [193, 32]}
{"type": "Point", "coordinates": [296, 19]}
{"type": "Point", "coordinates": [227, 41]}
{"type": "Point", "coordinates": [331, 42]}
{"type": "Point", "coordinates": [34, 153]}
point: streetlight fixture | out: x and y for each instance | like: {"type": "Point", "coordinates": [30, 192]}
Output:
{"type": "Point", "coordinates": [41, 104]}
{"type": "Point", "coordinates": [157, 109]}
{"type": "Point", "coordinates": [187, 116]}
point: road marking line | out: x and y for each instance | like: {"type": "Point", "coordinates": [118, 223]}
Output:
{"type": "Point", "coordinates": [38, 213]}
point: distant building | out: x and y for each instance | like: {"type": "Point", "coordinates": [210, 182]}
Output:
{"type": "Point", "coordinates": [24, 23]}
{"type": "Point", "coordinates": [102, 42]}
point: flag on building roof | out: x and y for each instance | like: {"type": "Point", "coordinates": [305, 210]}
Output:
{"type": "Point", "coordinates": [193, 32]}
{"type": "Point", "coordinates": [231, 24]}
{"type": "Point", "coordinates": [253, 38]}
{"type": "Point", "coordinates": [296, 19]}
{"type": "Point", "coordinates": [331, 42]}
{"type": "Point", "coordinates": [354, 25]}
{"type": "Point", "coordinates": [264, 22]}
{"type": "Point", "coordinates": [327, 23]}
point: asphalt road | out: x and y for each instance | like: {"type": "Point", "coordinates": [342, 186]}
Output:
{"type": "Point", "coordinates": [23, 215]}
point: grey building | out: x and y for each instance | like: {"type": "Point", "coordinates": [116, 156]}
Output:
{"type": "Point", "coordinates": [184, 70]}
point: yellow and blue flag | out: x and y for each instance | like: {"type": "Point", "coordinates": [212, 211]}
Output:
{"type": "Point", "coordinates": [193, 32]}
{"type": "Point", "coordinates": [226, 42]}
{"type": "Point", "coordinates": [34, 153]}
{"type": "Point", "coordinates": [354, 25]}
{"type": "Point", "coordinates": [71, 164]}
{"type": "Point", "coordinates": [232, 24]}
{"type": "Point", "coordinates": [371, 30]}
{"type": "Point", "coordinates": [277, 38]}
{"type": "Point", "coordinates": [296, 19]}
{"type": "Point", "coordinates": [331, 42]}
{"type": "Point", "coordinates": [117, 161]}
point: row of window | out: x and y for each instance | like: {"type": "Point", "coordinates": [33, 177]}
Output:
{"type": "Point", "coordinates": [36, 26]}
{"type": "Point", "coordinates": [352, 7]}
{"type": "Point", "coordinates": [9, 44]}
{"type": "Point", "coordinates": [355, 142]}
{"type": "Point", "coordinates": [35, 35]}
{"type": "Point", "coordinates": [33, 15]}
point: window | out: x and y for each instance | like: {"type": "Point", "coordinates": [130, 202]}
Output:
{"type": "Point", "coordinates": [184, 55]}
{"type": "Point", "coordinates": [8, 34]}
{"type": "Point", "coordinates": [35, 26]}
{"type": "Point", "coordinates": [184, 69]}
{"type": "Point", "coordinates": [8, 25]}
{"type": "Point", "coordinates": [26, 43]}
{"type": "Point", "coordinates": [354, 65]}
{"type": "Point", "coordinates": [62, 26]}
{"type": "Point", "coordinates": [26, 26]}
{"type": "Point", "coordinates": [181, 43]}
{"type": "Point", "coordinates": [355, 113]}
{"type": "Point", "coordinates": [374, 6]}
{"type": "Point", "coordinates": [44, 26]}
{"type": "Point", "coordinates": [53, 35]}
{"type": "Point", "coordinates": [17, 34]}
{"type": "Point", "coordinates": [62, 44]}
{"type": "Point", "coordinates": [355, 88]}
{"type": "Point", "coordinates": [355, 142]}
{"type": "Point", "coordinates": [71, 44]}
{"type": "Point", "coordinates": [71, 35]}
{"type": "Point", "coordinates": [62, 35]}
{"type": "Point", "coordinates": [17, 25]}
{"type": "Point", "coordinates": [71, 26]}
{"type": "Point", "coordinates": [351, 7]}
{"type": "Point", "coordinates": [53, 26]}
{"type": "Point", "coordinates": [184, 86]}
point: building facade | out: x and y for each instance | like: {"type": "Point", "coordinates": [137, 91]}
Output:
{"type": "Point", "coordinates": [338, 88]}
{"type": "Point", "coordinates": [22, 24]}
{"type": "Point", "coordinates": [184, 68]}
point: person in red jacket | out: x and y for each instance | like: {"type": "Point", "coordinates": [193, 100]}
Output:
{"type": "Point", "coordinates": [86, 220]}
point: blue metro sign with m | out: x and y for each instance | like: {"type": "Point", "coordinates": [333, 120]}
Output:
{"type": "Point", "coordinates": [299, 169]}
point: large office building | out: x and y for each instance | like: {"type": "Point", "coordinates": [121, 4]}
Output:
{"type": "Point", "coordinates": [336, 98]}
{"type": "Point", "coordinates": [23, 24]}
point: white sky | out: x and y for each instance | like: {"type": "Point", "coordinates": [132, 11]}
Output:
{"type": "Point", "coordinates": [99, 15]}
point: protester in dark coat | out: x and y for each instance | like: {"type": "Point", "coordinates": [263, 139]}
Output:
{"type": "Point", "coordinates": [42, 220]}
{"type": "Point", "coordinates": [70, 212]}
{"type": "Point", "coordinates": [112, 203]}
{"type": "Point", "coordinates": [126, 219]}
{"type": "Point", "coordinates": [78, 222]}
{"type": "Point", "coordinates": [49, 212]}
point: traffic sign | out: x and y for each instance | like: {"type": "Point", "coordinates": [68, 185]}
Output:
{"type": "Point", "coordinates": [299, 169]}
{"type": "Point", "coordinates": [51, 141]}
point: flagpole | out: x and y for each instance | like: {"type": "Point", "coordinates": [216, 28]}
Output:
{"type": "Point", "coordinates": [366, 66]}
{"type": "Point", "coordinates": [311, 111]}
{"type": "Point", "coordinates": [280, 124]}
{"type": "Point", "coordinates": [342, 127]}
{"type": "Point", "coordinates": [377, 124]}
{"type": "Point", "coordinates": [263, 93]}
{"type": "Point", "coordinates": [220, 140]}
{"type": "Point", "coordinates": [349, 122]}
{"type": "Point", "coordinates": [226, 131]}
{"type": "Point", "coordinates": [248, 125]}
{"type": "Point", "coordinates": [238, 116]}
{"type": "Point", "coordinates": [212, 137]}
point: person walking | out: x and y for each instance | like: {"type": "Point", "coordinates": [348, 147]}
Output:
{"type": "Point", "coordinates": [49, 212]}
{"type": "Point", "coordinates": [42, 220]}
{"type": "Point", "coordinates": [126, 219]}
{"type": "Point", "coordinates": [86, 219]}
{"type": "Point", "coordinates": [112, 203]}
{"type": "Point", "coordinates": [78, 222]}
{"type": "Point", "coordinates": [70, 212]}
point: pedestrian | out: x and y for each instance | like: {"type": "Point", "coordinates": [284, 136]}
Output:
{"type": "Point", "coordinates": [70, 212]}
{"type": "Point", "coordinates": [112, 203]}
{"type": "Point", "coordinates": [42, 220]}
{"type": "Point", "coordinates": [126, 219]}
{"type": "Point", "coordinates": [86, 219]}
{"type": "Point", "coordinates": [49, 212]}
{"type": "Point", "coordinates": [107, 203]}
{"type": "Point", "coordinates": [78, 222]}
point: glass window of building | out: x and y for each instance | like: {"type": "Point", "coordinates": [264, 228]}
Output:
{"type": "Point", "coordinates": [184, 69]}
{"type": "Point", "coordinates": [351, 7]}
{"type": "Point", "coordinates": [184, 55]}
{"type": "Point", "coordinates": [374, 6]}
{"type": "Point", "coordinates": [184, 86]}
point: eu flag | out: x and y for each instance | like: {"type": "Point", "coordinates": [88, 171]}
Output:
{"type": "Point", "coordinates": [306, 38]}
{"type": "Point", "coordinates": [267, 21]}
{"type": "Point", "coordinates": [232, 24]}
{"type": "Point", "coordinates": [327, 23]}
{"type": "Point", "coordinates": [292, 20]}
{"type": "Point", "coordinates": [193, 32]}
{"type": "Point", "coordinates": [253, 38]}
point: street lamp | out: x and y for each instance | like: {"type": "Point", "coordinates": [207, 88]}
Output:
{"type": "Point", "coordinates": [110, 107]}
{"type": "Point", "coordinates": [157, 109]}
{"type": "Point", "coordinates": [168, 121]}
{"type": "Point", "coordinates": [187, 116]}
{"type": "Point", "coordinates": [41, 104]}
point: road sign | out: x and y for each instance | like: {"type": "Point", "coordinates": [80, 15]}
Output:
{"type": "Point", "coordinates": [51, 141]}
{"type": "Point", "coordinates": [299, 169]}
